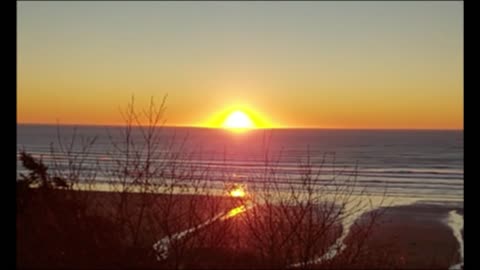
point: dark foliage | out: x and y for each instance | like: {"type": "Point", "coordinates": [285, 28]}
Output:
{"type": "Point", "coordinates": [38, 174]}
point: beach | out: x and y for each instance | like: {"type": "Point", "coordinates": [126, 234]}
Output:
{"type": "Point", "coordinates": [419, 234]}
{"type": "Point", "coordinates": [404, 237]}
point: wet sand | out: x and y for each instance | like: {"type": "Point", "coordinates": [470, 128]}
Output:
{"type": "Point", "coordinates": [405, 237]}
{"type": "Point", "coordinates": [419, 234]}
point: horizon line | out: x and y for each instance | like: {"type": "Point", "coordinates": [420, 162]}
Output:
{"type": "Point", "coordinates": [269, 128]}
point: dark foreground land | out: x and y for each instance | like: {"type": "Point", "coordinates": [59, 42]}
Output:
{"type": "Point", "coordinates": [419, 235]}
{"type": "Point", "coordinates": [60, 229]}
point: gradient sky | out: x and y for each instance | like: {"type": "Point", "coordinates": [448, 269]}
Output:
{"type": "Point", "coordinates": [296, 64]}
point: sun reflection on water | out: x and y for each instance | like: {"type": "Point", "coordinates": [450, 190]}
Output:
{"type": "Point", "coordinates": [238, 192]}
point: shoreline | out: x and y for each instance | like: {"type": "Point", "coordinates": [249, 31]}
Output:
{"type": "Point", "coordinates": [418, 234]}
{"type": "Point", "coordinates": [220, 190]}
{"type": "Point", "coordinates": [421, 233]}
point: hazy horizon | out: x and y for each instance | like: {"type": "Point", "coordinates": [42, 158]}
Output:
{"type": "Point", "coordinates": [258, 128]}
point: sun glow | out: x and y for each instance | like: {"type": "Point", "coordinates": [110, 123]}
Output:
{"type": "Point", "coordinates": [238, 120]}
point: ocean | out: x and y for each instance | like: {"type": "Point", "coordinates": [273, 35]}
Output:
{"type": "Point", "coordinates": [421, 164]}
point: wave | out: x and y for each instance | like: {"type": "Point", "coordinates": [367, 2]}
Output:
{"type": "Point", "coordinates": [455, 222]}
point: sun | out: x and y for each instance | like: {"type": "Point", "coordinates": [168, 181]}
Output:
{"type": "Point", "coordinates": [238, 120]}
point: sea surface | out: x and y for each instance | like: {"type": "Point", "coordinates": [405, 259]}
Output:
{"type": "Point", "coordinates": [408, 163]}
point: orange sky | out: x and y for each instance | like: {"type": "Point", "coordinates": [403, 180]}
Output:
{"type": "Point", "coordinates": [309, 64]}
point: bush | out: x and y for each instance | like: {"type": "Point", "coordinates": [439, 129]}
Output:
{"type": "Point", "coordinates": [286, 226]}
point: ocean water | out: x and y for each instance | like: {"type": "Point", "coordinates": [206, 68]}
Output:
{"type": "Point", "coordinates": [407, 163]}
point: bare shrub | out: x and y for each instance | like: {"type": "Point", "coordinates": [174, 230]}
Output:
{"type": "Point", "coordinates": [158, 199]}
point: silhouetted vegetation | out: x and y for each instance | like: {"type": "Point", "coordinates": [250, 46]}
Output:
{"type": "Point", "coordinates": [54, 229]}
{"type": "Point", "coordinates": [38, 174]}
{"type": "Point", "coordinates": [63, 222]}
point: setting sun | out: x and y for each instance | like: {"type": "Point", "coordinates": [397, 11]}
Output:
{"type": "Point", "coordinates": [238, 120]}
{"type": "Point", "coordinates": [239, 117]}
